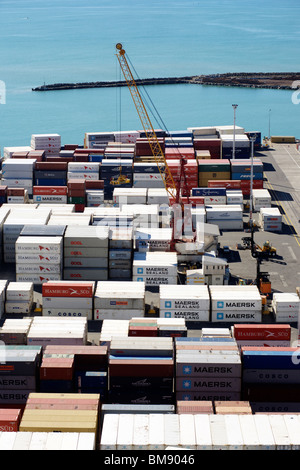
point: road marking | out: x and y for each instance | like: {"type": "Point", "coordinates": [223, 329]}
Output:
{"type": "Point", "coordinates": [283, 280]}
{"type": "Point", "coordinates": [292, 252]}
{"type": "Point", "coordinates": [285, 216]}
{"type": "Point", "coordinates": [291, 156]}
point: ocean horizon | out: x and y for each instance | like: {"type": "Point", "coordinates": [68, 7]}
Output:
{"type": "Point", "coordinates": [74, 41]}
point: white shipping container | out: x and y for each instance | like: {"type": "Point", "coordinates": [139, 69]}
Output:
{"type": "Point", "coordinates": [38, 278]}
{"type": "Point", "coordinates": [125, 432]}
{"type": "Point", "coordinates": [249, 432]}
{"type": "Point", "coordinates": [40, 245]}
{"type": "Point", "coordinates": [264, 432]}
{"type": "Point", "coordinates": [218, 432]}
{"type": "Point", "coordinates": [109, 432]}
{"type": "Point", "coordinates": [156, 431]}
{"type": "Point", "coordinates": [19, 291]}
{"type": "Point", "coordinates": [22, 268]}
{"type": "Point", "coordinates": [234, 432]}
{"type": "Point", "coordinates": [117, 314]}
{"type": "Point", "coordinates": [140, 432]}
{"type": "Point", "coordinates": [203, 432]}
{"type": "Point", "coordinates": [187, 431]}
{"type": "Point", "coordinates": [68, 312]}
{"type": "Point", "coordinates": [36, 259]}
{"type": "Point", "coordinates": [172, 430]}
{"type": "Point", "coordinates": [68, 302]}
{"type": "Point", "coordinates": [280, 432]}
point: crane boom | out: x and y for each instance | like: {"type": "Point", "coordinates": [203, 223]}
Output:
{"type": "Point", "coordinates": [154, 143]}
{"type": "Point", "coordinates": [173, 189]}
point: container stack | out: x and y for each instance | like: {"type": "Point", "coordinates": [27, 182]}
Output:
{"type": "Point", "coordinates": [191, 302]}
{"type": "Point", "coordinates": [208, 369]}
{"type": "Point", "coordinates": [3, 216]}
{"type": "Point", "coordinates": [94, 140]}
{"type": "Point", "coordinates": [39, 259]}
{"type": "Point", "coordinates": [18, 374]}
{"type": "Point", "coordinates": [86, 253]}
{"type": "Point", "coordinates": [50, 174]}
{"type": "Point", "coordinates": [15, 330]}
{"type": "Point", "coordinates": [77, 193]}
{"type": "Point", "coordinates": [262, 335]}
{"type": "Point", "coordinates": [120, 253]}
{"type": "Point", "coordinates": [67, 413]}
{"type": "Point", "coordinates": [271, 378]}
{"type": "Point", "coordinates": [270, 219]}
{"type": "Point", "coordinates": [147, 175]}
{"type": "Point", "coordinates": [234, 196]}
{"type": "Point", "coordinates": [68, 299]}
{"type": "Point", "coordinates": [47, 330]}
{"type": "Point", "coordinates": [83, 170]}
{"type": "Point", "coordinates": [18, 173]}
{"type": "Point", "coordinates": [242, 146]}
{"type": "Point", "coordinates": [212, 196]}
{"type": "Point", "coordinates": [235, 303]}
{"type": "Point", "coordinates": [119, 300]}
{"type": "Point", "coordinates": [121, 150]}
{"type": "Point", "coordinates": [227, 217]}
{"type": "Point", "coordinates": [112, 328]}
{"type": "Point", "coordinates": [153, 239]}
{"type": "Point", "coordinates": [56, 373]}
{"type": "Point", "coordinates": [126, 137]}
{"type": "Point", "coordinates": [51, 143]}
{"type": "Point", "coordinates": [241, 171]}
{"type": "Point", "coordinates": [125, 196]}
{"type": "Point", "coordinates": [116, 173]}
{"type": "Point", "coordinates": [50, 195]}
{"type": "Point", "coordinates": [19, 298]}
{"type": "Point", "coordinates": [155, 268]}
{"type": "Point", "coordinates": [143, 148]}
{"type": "Point", "coordinates": [213, 169]}
{"type": "Point", "coordinates": [286, 307]}
{"type": "Point", "coordinates": [10, 420]}
{"type": "Point", "coordinates": [190, 170]}
{"type": "Point", "coordinates": [15, 222]}
{"type": "Point", "coordinates": [261, 199]}
{"type": "Point", "coordinates": [141, 370]}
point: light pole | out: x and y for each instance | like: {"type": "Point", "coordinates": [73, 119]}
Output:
{"type": "Point", "coordinates": [252, 140]}
{"type": "Point", "coordinates": [269, 124]}
{"type": "Point", "coordinates": [234, 116]}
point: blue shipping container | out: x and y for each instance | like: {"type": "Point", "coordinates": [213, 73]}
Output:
{"type": "Point", "coordinates": [202, 192]}
{"type": "Point", "coordinates": [271, 360]}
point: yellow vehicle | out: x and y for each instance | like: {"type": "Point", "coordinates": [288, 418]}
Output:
{"type": "Point", "coordinates": [121, 179]}
{"type": "Point", "coordinates": [266, 249]}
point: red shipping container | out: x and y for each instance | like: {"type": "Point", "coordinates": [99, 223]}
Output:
{"type": "Point", "coordinates": [141, 367]}
{"type": "Point", "coordinates": [262, 332]}
{"type": "Point", "coordinates": [79, 207]}
{"type": "Point", "coordinates": [55, 166]}
{"type": "Point", "coordinates": [94, 184]}
{"type": "Point", "coordinates": [48, 190]}
{"type": "Point", "coordinates": [10, 419]}
{"type": "Point", "coordinates": [81, 157]}
{"type": "Point", "coordinates": [3, 190]}
{"type": "Point", "coordinates": [59, 159]}
{"type": "Point", "coordinates": [228, 184]}
{"type": "Point", "coordinates": [19, 155]}
{"type": "Point", "coordinates": [195, 201]}
{"type": "Point", "coordinates": [76, 183]}
{"type": "Point", "coordinates": [15, 191]}
{"type": "Point", "coordinates": [57, 368]}
{"type": "Point", "coordinates": [90, 151]}
{"type": "Point", "coordinates": [245, 185]}
{"type": "Point", "coordinates": [68, 289]}
{"type": "Point", "coordinates": [179, 152]}
{"type": "Point", "coordinates": [70, 147]}
{"type": "Point", "coordinates": [143, 331]}
{"type": "Point", "coordinates": [76, 192]}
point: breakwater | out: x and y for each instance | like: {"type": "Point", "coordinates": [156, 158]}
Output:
{"type": "Point", "coordinates": [284, 81]}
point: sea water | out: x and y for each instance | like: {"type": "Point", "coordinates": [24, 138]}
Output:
{"type": "Point", "coordinates": [43, 41]}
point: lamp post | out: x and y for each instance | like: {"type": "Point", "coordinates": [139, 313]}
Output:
{"type": "Point", "coordinates": [269, 124]}
{"type": "Point", "coordinates": [252, 140]}
{"type": "Point", "coordinates": [234, 117]}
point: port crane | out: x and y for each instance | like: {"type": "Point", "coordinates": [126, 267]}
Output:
{"type": "Point", "coordinates": [175, 189]}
